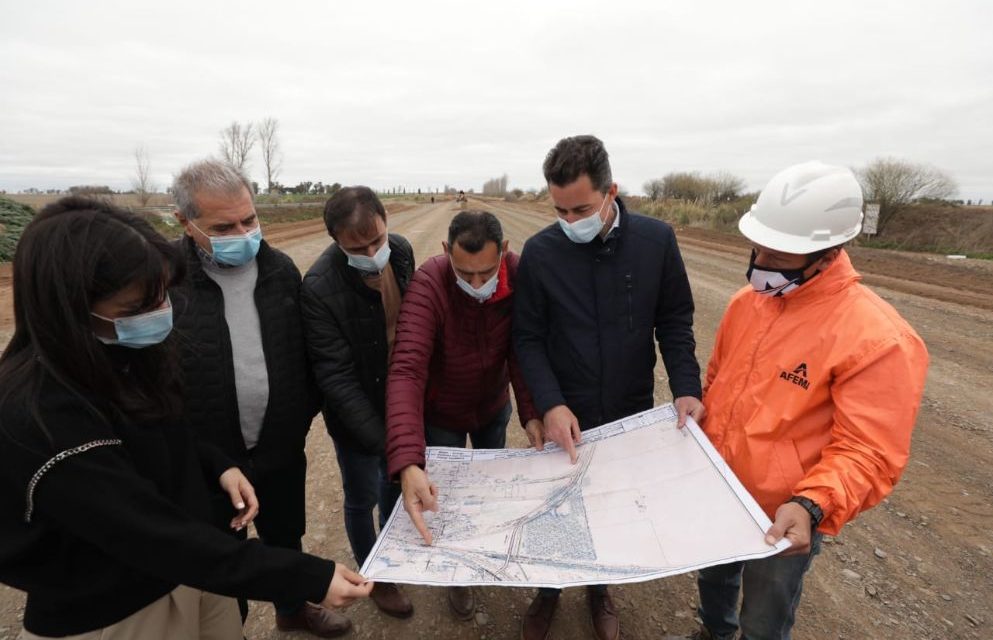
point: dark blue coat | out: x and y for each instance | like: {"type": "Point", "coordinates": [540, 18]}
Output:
{"type": "Point", "coordinates": [586, 314]}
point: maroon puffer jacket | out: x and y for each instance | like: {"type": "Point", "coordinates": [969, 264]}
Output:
{"type": "Point", "coordinates": [452, 360]}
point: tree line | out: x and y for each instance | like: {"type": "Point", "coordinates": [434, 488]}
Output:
{"type": "Point", "coordinates": [892, 183]}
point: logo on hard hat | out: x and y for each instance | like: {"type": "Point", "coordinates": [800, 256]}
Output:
{"type": "Point", "coordinates": [796, 194]}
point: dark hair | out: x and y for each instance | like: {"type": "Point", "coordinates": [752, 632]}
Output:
{"type": "Point", "coordinates": [356, 206]}
{"type": "Point", "coordinates": [75, 252]}
{"type": "Point", "coordinates": [575, 156]}
{"type": "Point", "coordinates": [473, 229]}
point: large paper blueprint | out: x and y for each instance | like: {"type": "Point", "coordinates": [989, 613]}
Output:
{"type": "Point", "coordinates": [644, 501]}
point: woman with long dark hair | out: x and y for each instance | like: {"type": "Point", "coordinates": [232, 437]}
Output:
{"type": "Point", "coordinates": [103, 503]}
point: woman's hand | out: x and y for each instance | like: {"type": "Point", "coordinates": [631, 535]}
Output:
{"type": "Point", "coordinates": [346, 587]}
{"type": "Point", "coordinates": [242, 494]}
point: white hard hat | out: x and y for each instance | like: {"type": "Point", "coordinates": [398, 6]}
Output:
{"type": "Point", "coordinates": [806, 208]}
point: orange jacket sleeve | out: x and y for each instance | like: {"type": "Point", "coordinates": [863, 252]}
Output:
{"type": "Point", "coordinates": [876, 403]}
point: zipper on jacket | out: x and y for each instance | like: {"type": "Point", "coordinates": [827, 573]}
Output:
{"type": "Point", "coordinates": [628, 285]}
{"type": "Point", "coordinates": [751, 364]}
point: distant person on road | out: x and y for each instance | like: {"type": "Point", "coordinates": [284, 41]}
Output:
{"type": "Point", "coordinates": [351, 299]}
{"type": "Point", "coordinates": [593, 290]}
{"type": "Point", "coordinates": [247, 384]}
{"type": "Point", "coordinates": [452, 364]}
{"type": "Point", "coordinates": [811, 393]}
{"type": "Point", "coordinates": [104, 503]}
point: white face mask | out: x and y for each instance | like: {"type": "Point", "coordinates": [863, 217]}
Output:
{"type": "Point", "coordinates": [584, 230]}
{"type": "Point", "coordinates": [483, 293]}
{"type": "Point", "coordinates": [776, 282]}
{"type": "Point", "coordinates": [375, 264]}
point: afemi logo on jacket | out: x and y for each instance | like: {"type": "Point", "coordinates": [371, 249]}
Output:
{"type": "Point", "coordinates": [798, 376]}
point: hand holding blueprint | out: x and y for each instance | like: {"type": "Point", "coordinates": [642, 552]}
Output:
{"type": "Point", "coordinates": [644, 501]}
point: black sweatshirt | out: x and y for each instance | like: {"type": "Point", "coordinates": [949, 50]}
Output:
{"type": "Point", "coordinates": [117, 518]}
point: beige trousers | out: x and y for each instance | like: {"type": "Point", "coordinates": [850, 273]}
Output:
{"type": "Point", "coordinates": [183, 614]}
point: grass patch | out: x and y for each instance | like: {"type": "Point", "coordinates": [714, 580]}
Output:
{"type": "Point", "coordinates": [14, 216]}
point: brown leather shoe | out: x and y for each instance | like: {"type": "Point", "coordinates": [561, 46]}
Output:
{"type": "Point", "coordinates": [538, 620]}
{"type": "Point", "coordinates": [603, 615]}
{"type": "Point", "coordinates": [323, 623]}
{"type": "Point", "coordinates": [391, 600]}
{"type": "Point", "coordinates": [462, 602]}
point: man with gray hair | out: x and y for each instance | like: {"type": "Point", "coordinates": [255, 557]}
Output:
{"type": "Point", "coordinates": [247, 385]}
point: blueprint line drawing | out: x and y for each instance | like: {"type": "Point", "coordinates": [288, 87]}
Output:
{"type": "Point", "coordinates": [644, 500]}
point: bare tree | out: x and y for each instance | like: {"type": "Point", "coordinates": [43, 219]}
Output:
{"type": "Point", "coordinates": [683, 185]}
{"type": "Point", "coordinates": [237, 141]}
{"type": "Point", "coordinates": [142, 181]}
{"type": "Point", "coordinates": [496, 186]}
{"type": "Point", "coordinates": [653, 189]}
{"type": "Point", "coordinates": [895, 183]}
{"type": "Point", "coordinates": [272, 155]}
{"type": "Point", "coordinates": [726, 186]}
{"type": "Point", "coordinates": [721, 186]}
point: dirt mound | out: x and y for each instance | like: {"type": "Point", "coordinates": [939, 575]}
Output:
{"type": "Point", "coordinates": [967, 282]}
{"type": "Point", "coordinates": [940, 229]}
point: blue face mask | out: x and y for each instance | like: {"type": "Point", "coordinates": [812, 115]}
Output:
{"type": "Point", "coordinates": [236, 250]}
{"type": "Point", "coordinates": [584, 230]}
{"type": "Point", "coordinates": [141, 330]}
{"type": "Point", "coordinates": [483, 293]}
{"type": "Point", "coordinates": [375, 264]}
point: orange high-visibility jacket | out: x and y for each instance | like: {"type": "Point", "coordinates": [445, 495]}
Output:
{"type": "Point", "coordinates": [815, 394]}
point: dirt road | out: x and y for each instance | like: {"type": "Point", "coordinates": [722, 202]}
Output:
{"type": "Point", "coordinates": [918, 566]}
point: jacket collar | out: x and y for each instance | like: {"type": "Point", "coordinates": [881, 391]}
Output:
{"type": "Point", "coordinates": [504, 288]}
{"type": "Point", "coordinates": [839, 275]}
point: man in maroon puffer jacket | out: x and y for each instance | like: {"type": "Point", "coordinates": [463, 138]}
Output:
{"type": "Point", "coordinates": [452, 362]}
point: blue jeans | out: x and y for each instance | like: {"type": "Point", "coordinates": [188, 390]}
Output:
{"type": "Point", "coordinates": [365, 484]}
{"type": "Point", "coordinates": [771, 586]}
{"type": "Point", "coordinates": [492, 435]}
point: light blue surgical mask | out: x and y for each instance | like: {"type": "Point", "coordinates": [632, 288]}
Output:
{"type": "Point", "coordinates": [375, 264]}
{"type": "Point", "coordinates": [141, 330]}
{"type": "Point", "coordinates": [483, 293]}
{"type": "Point", "coordinates": [236, 250]}
{"type": "Point", "coordinates": [585, 229]}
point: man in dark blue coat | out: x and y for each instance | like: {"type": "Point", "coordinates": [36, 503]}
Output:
{"type": "Point", "coordinates": [593, 290]}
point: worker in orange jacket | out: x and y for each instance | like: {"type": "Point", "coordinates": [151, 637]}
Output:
{"type": "Point", "coordinates": [811, 393]}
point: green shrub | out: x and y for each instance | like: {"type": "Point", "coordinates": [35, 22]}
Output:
{"type": "Point", "coordinates": [13, 218]}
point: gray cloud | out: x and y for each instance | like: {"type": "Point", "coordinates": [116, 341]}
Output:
{"type": "Point", "coordinates": [428, 94]}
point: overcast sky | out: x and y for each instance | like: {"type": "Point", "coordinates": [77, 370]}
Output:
{"type": "Point", "coordinates": [425, 94]}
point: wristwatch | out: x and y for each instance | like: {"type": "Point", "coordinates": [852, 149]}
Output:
{"type": "Point", "coordinates": [816, 514]}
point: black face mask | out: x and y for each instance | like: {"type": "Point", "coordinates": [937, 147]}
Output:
{"type": "Point", "coordinates": [777, 282]}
